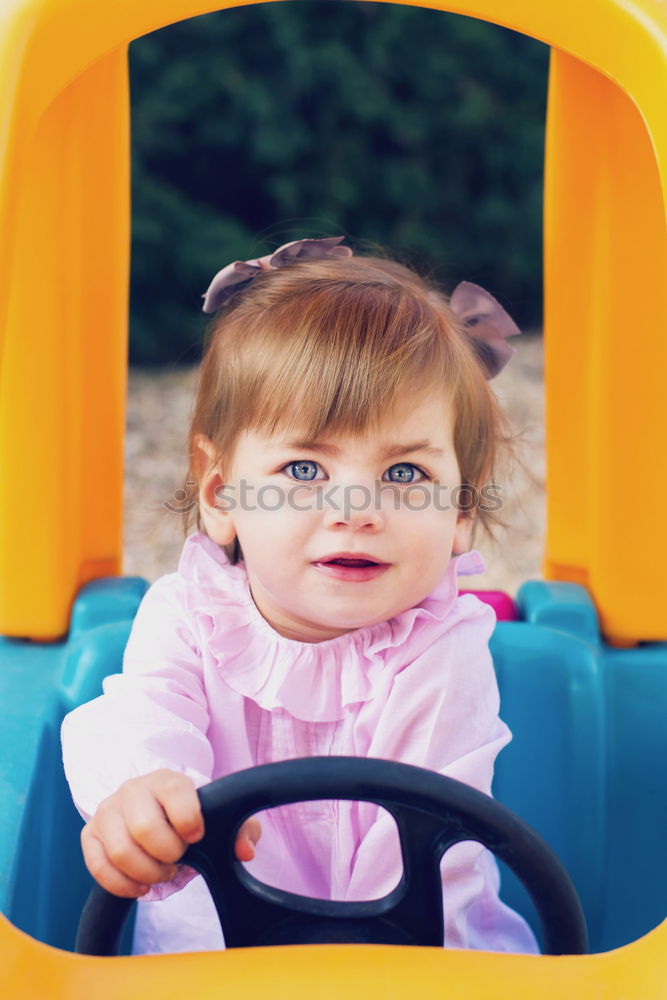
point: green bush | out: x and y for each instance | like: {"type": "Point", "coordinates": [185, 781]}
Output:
{"type": "Point", "coordinates": [400, 126]}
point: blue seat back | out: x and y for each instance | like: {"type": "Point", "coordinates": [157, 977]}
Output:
{"type": "Point", "coordinates": [585, 767]}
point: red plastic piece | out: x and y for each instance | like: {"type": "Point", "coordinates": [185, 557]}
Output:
{"type": "Point", "coordinates": [502, 603]}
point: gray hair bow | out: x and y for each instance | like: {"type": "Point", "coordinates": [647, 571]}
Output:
{"type": "Point", "coordinates": [487, 325]}
{"type": "Point", "coordinates": [485, 321]}
{"type": "Point", "coordinates": [225, 281]}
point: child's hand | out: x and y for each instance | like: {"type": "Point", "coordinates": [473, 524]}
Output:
{"type": "Point", "coordinates": [139, 832]}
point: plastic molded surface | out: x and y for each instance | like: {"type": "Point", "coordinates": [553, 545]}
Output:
{"type": "Point", "coordinates": [65, 213]}
{"type": "Point", "coordinates": [502, 603]}
{"type": "Point", "coordinates": [585, 768]}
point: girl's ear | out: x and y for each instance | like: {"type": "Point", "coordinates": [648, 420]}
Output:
{"type": "Point", "coordinates": [214, 509]}
{"type": "Point", "coordinates": [462, 533]}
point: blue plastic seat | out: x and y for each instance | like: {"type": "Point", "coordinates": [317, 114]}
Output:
{"type": "Point", "coordinates": [585, 768]}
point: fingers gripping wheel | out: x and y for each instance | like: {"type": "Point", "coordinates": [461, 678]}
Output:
{"type": "Point", "coordinates": [431, 812]}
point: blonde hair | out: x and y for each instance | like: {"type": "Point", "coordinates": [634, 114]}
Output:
{"type": "Point", "coordinates": [327, 345]}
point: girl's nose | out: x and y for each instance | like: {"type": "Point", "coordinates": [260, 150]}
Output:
{"type": "Point", "coordinates": [354, 506]}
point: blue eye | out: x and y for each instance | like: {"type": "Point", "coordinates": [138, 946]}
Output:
{"type": "Point", "coordinates": [303, 470]}
{"type": "Point", "coordinates": [403, 472]}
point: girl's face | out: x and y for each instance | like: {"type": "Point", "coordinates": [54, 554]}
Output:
{"type": "Point", "coordinates": [384, 497]}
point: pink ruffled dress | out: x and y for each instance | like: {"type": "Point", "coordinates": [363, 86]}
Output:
{"type": "Point", "coordinates": [209, 687]}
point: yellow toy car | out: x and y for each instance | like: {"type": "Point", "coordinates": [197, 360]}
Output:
{"type": "Point", "coordinates": [582, 668]}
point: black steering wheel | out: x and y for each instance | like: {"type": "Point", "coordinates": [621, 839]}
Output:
{"type": "Point", "coordinates": [431, 812]}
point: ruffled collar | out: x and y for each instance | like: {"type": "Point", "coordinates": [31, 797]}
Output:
{"type": "Point", "coordinates": [312, 681]}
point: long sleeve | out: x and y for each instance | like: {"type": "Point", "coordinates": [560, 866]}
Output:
{"type": "Point", "coordinates": [153, 715]}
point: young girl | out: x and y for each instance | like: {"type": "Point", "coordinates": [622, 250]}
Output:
{"type": "Point", "coordinates": [343, 423]}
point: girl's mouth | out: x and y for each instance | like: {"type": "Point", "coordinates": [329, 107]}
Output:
{"type": "Point", "coordinates": [351, 570]}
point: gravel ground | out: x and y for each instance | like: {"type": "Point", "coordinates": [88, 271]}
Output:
{"type": "Point", "coordinates": [158, 411]}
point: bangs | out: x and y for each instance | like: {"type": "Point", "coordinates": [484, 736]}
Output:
{"type": "Point", "coordinates": [299, 376]}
